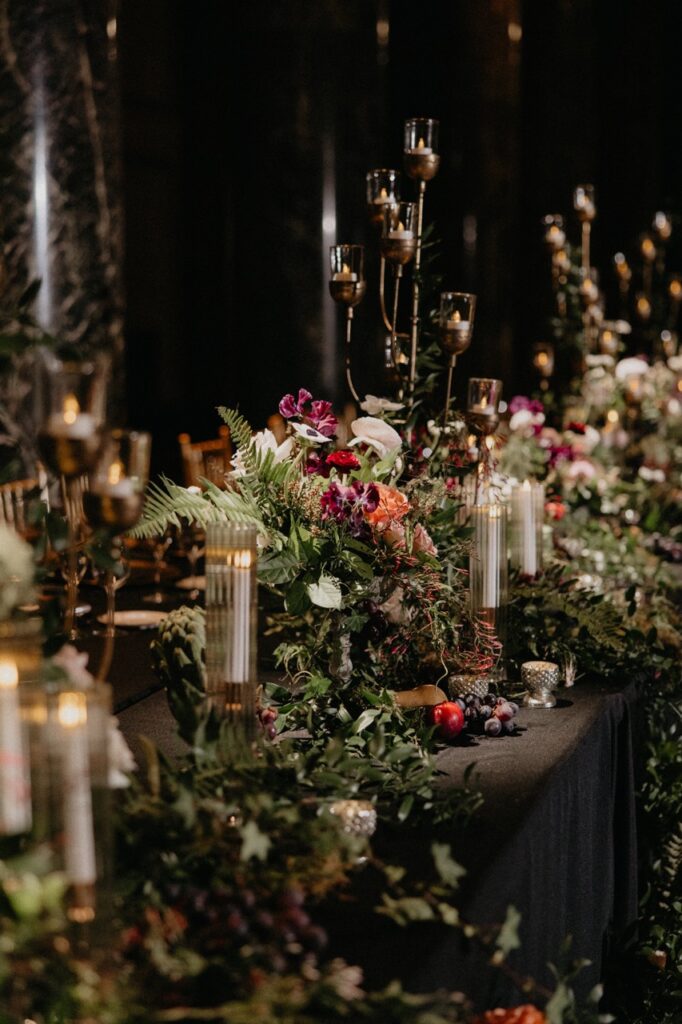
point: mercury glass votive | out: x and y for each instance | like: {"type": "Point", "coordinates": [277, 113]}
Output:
{"type": "Point", "coordinates": [541, 678]}
{"type": "Point", "coordinates": [483, 400]}
{"type": "Point", "coordinates": [420, 148]}
{"type": "Point", "coordinates": [231, 622]}
{"type": "Point", "coordinates": [527, 518]}
{"type": "Point", "coordinates": [347, 284]}
{"type": "Point", "coordinates": [398, 243]}
{"type": "Point", "coordinates": [357, 817]}
{"type": "Point", "coordinates": [456, 321]}
{"type": "Point", "coordinates": [382, 188]}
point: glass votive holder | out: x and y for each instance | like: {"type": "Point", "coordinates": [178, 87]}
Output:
{"type": "Point", "coordinates": [456, 321]}
{"type": "Point", "coordinates": [554, 233]}
{"type": "Point", "coordinates": [662, 226]}
{"type": "Point", "coordinates": [543, 359]}
{"type": "Point", "coordinates": [584, 202]}
{"type": "Point", "coordinates": [483, 400]}
{"type": "Point", "coordinates": [647, 248]}
{"type": "Point", "coordinates": [642, 307]}
{"type": "Point", "coordinates": [527, 517]}
{"type": "Point", "coordinates": [398, 242]}
{"type": "Point", "coordinates": [420, 148]}
{"type": "Point", "coordinates": [347, 284]}
{"type": "Point", "coordinates": [622, 268]}
{"type": "Point", "coordinates": [541, 678]}
{"type": "Point", "coordinates": [609, 339]}
{"type": "Point", "coordinates": [382, 187]}
{"type": "Point", "coordinates": [68, 740]}
{"type": "Point", "coordinates": [231, 623]}
{"type": "Point", "coordinates": [357, 817]}
{"type": "Point", "coordinates": [70, 410]}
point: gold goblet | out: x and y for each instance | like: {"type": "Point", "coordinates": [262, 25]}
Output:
{"type": "Point", "coordinates": [347, 287]}
{"type": "Point", "coordinates": [455, 331]}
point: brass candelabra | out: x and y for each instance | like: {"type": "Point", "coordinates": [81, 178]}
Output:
{"type": "Point", "coordinates": [347, 287]}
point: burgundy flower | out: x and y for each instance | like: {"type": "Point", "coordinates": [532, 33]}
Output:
{"type": "Point", "coordinates": [322, 418]}
{"type": "Point", "coordinates": [519, 402]}
{"type": "Point", "coordinates": [344, 460]}
{"type": "Point", "coordinates": [316, 465]}
{"type": "Point", "coordinates": [575, 427]}
{"type": "Point", "coordinates": [289, 408]}
{"type": "Point", "coordinates": [349, 504]}
{"type": "Point", "coordinates": [560, 453]}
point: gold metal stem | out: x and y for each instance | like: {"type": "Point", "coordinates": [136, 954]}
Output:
{"type": "Point", "coordinates": [448, 391]}
{"type": "Point", "coordinates": [349, 330]}
{"type": "Point", "coordinates": [396, 294]}
{"type": "Point", "coordinates": [109, 629]}
{"type": "Point", "coordinates": [587, 227]}
{"type": "Point", "coordinates": [415, 290]}
{"type": "Point", "coordinates": [382, 295]}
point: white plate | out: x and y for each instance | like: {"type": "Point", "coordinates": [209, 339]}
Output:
{"type": "Point", "coordinates": [138, 618]}
{"type": "Point", "coordinates": [192, 583]}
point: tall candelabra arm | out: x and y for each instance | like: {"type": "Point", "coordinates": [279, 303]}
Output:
{"type": "Point", "coordinates": [349, 374]}
{"type": "Point", "coordinates": [414, 340]}
{"type": "Point", "coordinates": [394, 341]}
{"type": "Point", "coordinates": [448, 390]}
{"type": "Point", "coordinates": [382, 295]}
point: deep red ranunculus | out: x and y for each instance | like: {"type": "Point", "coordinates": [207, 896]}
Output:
{"type": "Point", "coordinates": [343, 459]}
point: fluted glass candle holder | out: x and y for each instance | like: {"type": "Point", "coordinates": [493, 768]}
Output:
{"type": "Point", "coordinates": [527, 517]}
{"type": "Point", "coordinates": [382, 187]}
{"type": "Point", "coordinates": [420, 148]}
{"type": "Point", "coordinates": [20, 660]}
{"type": "Point", "coordinates": [488, 572]}
{"type": "Point", "coordinates": [68, 737]}
{"type": "Point", "coordinates": [231, 622]}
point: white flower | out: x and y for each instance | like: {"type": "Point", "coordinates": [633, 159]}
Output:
{"type": "Point", "coordinates": [264, 441]}
{"type": "Point", "coordinates": [675, 364]}
{"type": "Point", "coordinates": [121, 760]}
{"type": "Point", "coordinates": [651, 475]}
{"type": "Point", "coordinates": [581, 469]}
{"type": "Point", "coordinates": [631, 367]}
{"type": "Point", "coordinates": [16, 571]}
{"type": "Point", "coordinates": [376, 434]}
{"type": "Point", "coordinates": [374, 406]}
{"type": "Point", "coordinates": [309, 433]}
{"type": "Point", "coordinates": [74, 663]}
{"type": "Point", "coordinates": [524, 420]}
{"type": "Point", "coordinates": [584, 444]}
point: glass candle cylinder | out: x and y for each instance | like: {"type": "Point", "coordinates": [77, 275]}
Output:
{"type": "Point", "coordinates": [488, 568]}
{"type": "Point", "coordinates": [527, 516]}
{"type": "Point", "coordinates": [382, 188]}
{"type": "Point", "coordinates": [456, 321]}
{"type": "Point", "coordinates": [420, 148]}
{"type": "Point", "coordinates": [68, 746]}
{"type": "Point", "coordinates": [347, 283]}
{"type": "Point", "coordinates": [20, 658]}
{"type": "Point", "coordinates": [483, 401]}
{"type": "Point", "coordinates": [231, 621]}
{"type": "Point", "coordinates": [398, 242]}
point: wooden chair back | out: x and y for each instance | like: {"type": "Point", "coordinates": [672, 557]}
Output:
{"type": "Point", "coordinates": [211, 460]}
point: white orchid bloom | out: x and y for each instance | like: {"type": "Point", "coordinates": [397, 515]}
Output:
{"type": "Point", "coordinates": [631, 367]}
{"type": "Point", "coordinates": [376, 434]}
{"type": "Point", "coordinates": [524, 420]}
{"type": "Point", "coordinates": [374, 406]}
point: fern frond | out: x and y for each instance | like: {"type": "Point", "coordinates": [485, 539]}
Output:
{"type": "Point", "coordinates": [260, 469]}
{"type": "Point", "coordinates": [167, 504]}
{"type": "Point", "coordinates": [240, 428]}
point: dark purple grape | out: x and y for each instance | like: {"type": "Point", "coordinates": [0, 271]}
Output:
{"type": "Point", "coordinates": [509, 727]}
{"type": "Point", "coordinates": [486, 711]}
{"type": "Point", "coordinates": [514, 706]}
{"type": "Point", "coordinates": [460, 701]}
{"type": "Point", "coordinates": [489, 700]}
{"type": "Point", "coordinates": [493, 727]}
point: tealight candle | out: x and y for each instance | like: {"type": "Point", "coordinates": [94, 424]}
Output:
{"type": "Point", "coordinates": [71, 422]}
{"type": "Point", "coordinates": [401, 232]}
{"type": "Point", "coordinates": [382, 198]}
{"type": "Point", "coordinates": [420, 149]}
{"type": "Point", "coordinates": [345, 274]}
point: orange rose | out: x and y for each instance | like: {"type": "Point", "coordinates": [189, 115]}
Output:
{"type": "Point", "coordinates": [526, 1014]}
{"type": "Point", "coordinates": [393, 506]}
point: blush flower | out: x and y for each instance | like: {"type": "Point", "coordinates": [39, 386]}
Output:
{"type": "Point", "coordinates": [390, 509]}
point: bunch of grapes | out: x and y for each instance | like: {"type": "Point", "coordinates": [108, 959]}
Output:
{"type": "Point", "coordinates": [489, 716]}
{"type": "Point", "coordinates": [274, 932]}
{"type": "Point", "coordinates": [267, 718]}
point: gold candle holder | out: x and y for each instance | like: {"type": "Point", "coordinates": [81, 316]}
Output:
{"type": "Point", "coordinates": [543, 362]}
{"type": "Point", "coordinates": [382, 189]}
{"type": "Point", "coordinates": [483, 400]}
{"type": "Point", "coordinates": [421, 162]}
{"type": "Point", "coordinates": [624, 277]}
{"type": "Point", "coordinates": [398, 245]}
{"type": "Point", "coordinates": [455, 330]}
{"type": "Point", "coordinates": [231, 623]}
{"type": "Point", "coordinates": [347, 287]}
{"type": "Point", "coordinates": [585, 207]}
{"type": "Point", "coordinates": [554, 231]}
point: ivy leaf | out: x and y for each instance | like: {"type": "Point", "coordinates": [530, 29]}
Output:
{"type": "Point", "coordinates": [326, 593]}
{"type": "Point", "coordinates": [508, 937]}
{"type": "Point", "coordinates": [448, 869]}
{"type": "Point", "coordinates": [254, 842]}
{"type": "Point", "coordinates": [365, 719]}
{"type": "Point", "coordinates": [297, 599]}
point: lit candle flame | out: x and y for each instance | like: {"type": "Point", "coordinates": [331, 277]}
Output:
{"type": "Point", "coordinates": [116, 472]}
{"type": "Point", "coordinates": [242, 559]}
{"type": "Point", "coordinates": [456, 316]}
{"type": "Point", "coordinates": [345, 269]}
{"type": "Point", "coordinates": [72, 710]}
{"type": "Point", "coordinates": [420, 144]}
{"type": "Point", "coordinates": [383, 194]}
{"type": "Point", "coordinates": [9, 674]}
{"type": "Point", "coordinates": [71, 409]}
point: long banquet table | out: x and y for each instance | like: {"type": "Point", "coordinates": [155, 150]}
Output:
{"type": "Point", "coordinates": [555, 836]}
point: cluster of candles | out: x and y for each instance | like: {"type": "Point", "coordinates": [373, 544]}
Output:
{"type": "Point", "coordinates": [53, 760]}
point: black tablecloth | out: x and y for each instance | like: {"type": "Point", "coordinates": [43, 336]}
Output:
{"type": "Point", "coordinates": [555, 836]}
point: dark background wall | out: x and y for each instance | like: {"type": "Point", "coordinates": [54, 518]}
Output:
{"type": "Point", "coordinates": [248, 129]}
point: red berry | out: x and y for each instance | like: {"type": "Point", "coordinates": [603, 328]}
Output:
{"type": "Point", "coordinates": [448, 717]}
